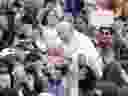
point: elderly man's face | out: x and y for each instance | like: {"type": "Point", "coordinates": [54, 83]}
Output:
{"type": "Point", "coordinates": [64, 31]}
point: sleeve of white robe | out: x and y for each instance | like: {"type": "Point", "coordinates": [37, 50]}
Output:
{"type": "Point", "coordinates": [92, 57]}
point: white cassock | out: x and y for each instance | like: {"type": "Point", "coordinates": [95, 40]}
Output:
{"type": "Point", "coordinates": [48, 39]}
{"type": "Point", "coordinates": [81, 44]}
{"type": "Point", "coordinates": [51, 37]}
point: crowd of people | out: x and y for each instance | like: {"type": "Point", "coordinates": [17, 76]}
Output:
{"type": "Point", "coordinates": [46, 51]}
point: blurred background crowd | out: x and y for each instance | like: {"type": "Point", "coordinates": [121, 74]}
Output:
{"type": "Point", "coordinates": [23, 54]}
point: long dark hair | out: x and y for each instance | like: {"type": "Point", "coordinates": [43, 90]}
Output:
{"type": "Point", "coordinates": [90, 82]}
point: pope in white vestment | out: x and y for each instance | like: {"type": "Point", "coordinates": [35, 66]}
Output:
{"type": "Point", "coordinates": [79, 44]}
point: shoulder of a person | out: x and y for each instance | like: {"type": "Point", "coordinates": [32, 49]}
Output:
{"type": "Point", "coordinates": [85, 41]}
{"type": "Point", "coordinates": [81, 36]}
